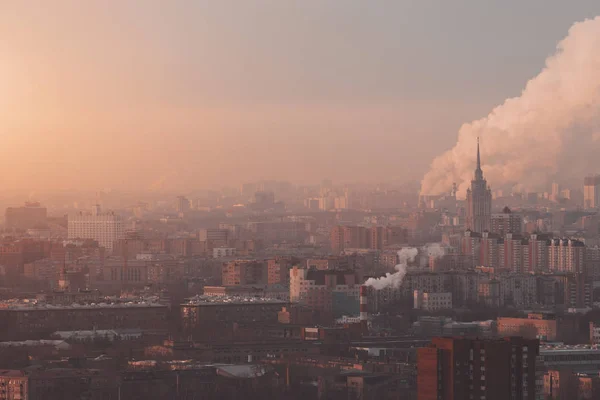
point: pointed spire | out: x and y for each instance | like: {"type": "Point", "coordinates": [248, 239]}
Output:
{"type": "Point", "coordinates": [478, 158]}
{"type": "Point", "coordinates": [478, 171]}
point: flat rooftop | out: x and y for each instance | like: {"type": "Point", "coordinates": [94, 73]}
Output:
{"type": "Point", "coordinates": [32, 305]}
{"type": "Point", "coordinates": [569, 349]}
{"type": "Point", "coordinates": [202, 300]}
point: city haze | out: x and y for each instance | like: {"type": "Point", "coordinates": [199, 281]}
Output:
{"type": "Point", "coordinates": [143, 95]}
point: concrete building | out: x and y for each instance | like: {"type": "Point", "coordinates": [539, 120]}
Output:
{"type": "Point", "coordinates": [490, 369]}
{"type": "Point", "coordinates": [566, 255]}
{"type": "Point", "coordinates": [355, 237]}
{"type": "Point", "coordinates": [591, 192]}
{"type": "Point", "coordinates": [118, 272]}
{"type": "Point", "coordinates": [200, 311]}
{"type": "Point", "coordinates": [506, 222]}
{"type": "Point", "coordinates": [489, 292]}
{"type": "Point", "coordinates": [213, 235]}
{"type": "Point", "coordinates": [50, 384]}
{"type": "Point", "coordinates": [594, 333]}
{"type": "Point", "coordinates": [220, 252]}
{"type": "Point", "coordinates": [182, 204]}
{"type": "Point", "coordinates": [546, 327]}
{"type": "Point", "coordinates": [569, 384]}
{"type": "Point", "coordinates": [312, 203]}
{"type": "Point", "coordinates": [491, 249]}
{"type": "Point", "coordinates": [103, 227]}
{"type": "Point", "coordinates": [360, 237]}
{"type": "Point", "coordinates": [335, 292]}
{"type": "Point", "coordinates": [479, 201]}
{"type": "Point", "coordinates": [278, 270]}
{"type": "Point", "coordinates": [538, 253]}
{"type": "Point", "coordinates": [277, 292]}
{"type": "Point", "coordinates": [45, 270]}
{"type": "Point", "coordinates": [34, 320]}
{"type": "Point", "coordinates": [31, 215]}
{"type": "Point", "coordinates": [244, 272]}
{"type": "Point", "coordinates": [570, 357]}
{"type": "Point", "coordinates": [432, 301]}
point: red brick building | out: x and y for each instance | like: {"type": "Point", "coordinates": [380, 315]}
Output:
{"type": "Point", "coordinates": [461, 368]}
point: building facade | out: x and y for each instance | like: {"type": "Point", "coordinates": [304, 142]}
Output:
{"type": "Point", "coordinates": [103, 227]}
{"type": "Point", "coordinates": [479, 201]}
{"type": "Point", "coordinates": [591, 192]}
{"type": "Point", "coordinates": [335, 292]}
{"type": "Point", "coordinates": [506, 222]}
{"type": "Point", "coordinates": [432, 301]}
{"type": "Point", "coordinates": [490, 369]}
{"type": "Point", "coordinates": [245, 272]}
{"type": "Point", "coordinates": [31, 215]}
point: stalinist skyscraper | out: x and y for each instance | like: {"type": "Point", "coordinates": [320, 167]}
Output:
{"type": "Point", "coordinates": [479, 201]}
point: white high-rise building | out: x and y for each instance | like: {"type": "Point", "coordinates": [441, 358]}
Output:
{"type": "Point", "coordinates": [103, 227]}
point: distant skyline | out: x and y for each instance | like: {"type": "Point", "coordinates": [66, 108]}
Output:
{"type": "Point", "coordinates": [130, 94]}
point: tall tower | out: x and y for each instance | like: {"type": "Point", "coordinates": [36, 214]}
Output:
{"type": "Point", "coordinates": [479, 201]}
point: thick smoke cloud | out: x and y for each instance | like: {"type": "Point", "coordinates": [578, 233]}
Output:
{"type": "Point", "coordinates": [405, 256]}
{"type": "Point", "coordinates": [550, 133]}
{"type": "Point", "coordinates": [435, 250]}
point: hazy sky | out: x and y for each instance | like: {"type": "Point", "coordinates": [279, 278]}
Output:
{"type": "Point", "coordinates": [125, 94]}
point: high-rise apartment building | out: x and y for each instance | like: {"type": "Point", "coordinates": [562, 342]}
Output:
{"type": "Point", "coordinates": [479, 201]}
{"type": "Point", "coordinates": [103, 227]}
{"type": "Point", "coordinates": [566, 255]}
{"type": "Point", "coordinates": [538, 252]}
{"type": "Point", "coordinates": [349, 237]}
{"type": "Point", "coordinates": [506, 222]}
{"type": "Point", "coordinates": [490, 369]}
{"type": "Point", "coordinates": [359, 237]}
{"type": "Point", "coordinates": [182, 205]}
{"type": "Point", "coordinates": [591, 192]}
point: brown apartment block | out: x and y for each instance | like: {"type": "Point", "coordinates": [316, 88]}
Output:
{"type": "Point", "coordinates": [491, 369]}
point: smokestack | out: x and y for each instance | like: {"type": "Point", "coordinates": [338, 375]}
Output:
{"type": "Point", "coordinates": [364, 312]}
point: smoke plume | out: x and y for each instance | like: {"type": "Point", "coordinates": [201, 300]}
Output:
{"type": "Point", "coordinates": [434, 250]}
{"type": "Point", "coordinates": [550, 133]}
{"type": "Point", "coordinates": [405, 256]}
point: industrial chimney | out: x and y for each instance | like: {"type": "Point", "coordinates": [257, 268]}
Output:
{"type": "Point", "coordinates": [364, 312]}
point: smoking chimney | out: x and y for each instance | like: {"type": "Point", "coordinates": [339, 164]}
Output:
{"type": "Point", "coordinates": [364, 313]}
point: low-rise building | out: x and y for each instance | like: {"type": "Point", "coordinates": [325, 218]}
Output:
{"type": "Point", "coordinates": [572, 357]}
{"type": "Point", "coordinates": [32, 319]}
{"type": "Point", "coordinates": [546, 327]}
{"type": "Point", "coordinates": [278, 292]}
{"type": "Point", "coordinates": [432, 301]}
{"type": "Point", "coordinates": [200, 311]}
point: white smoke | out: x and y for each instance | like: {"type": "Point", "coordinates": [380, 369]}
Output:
{"type": "Point", "coordinates": [434, 250]}
{"type": "Point", "coordinates": [394, 280]}
{"type": "Point", "coordinates": [550, 133]}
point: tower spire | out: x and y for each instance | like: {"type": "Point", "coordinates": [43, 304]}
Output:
{"type": "Point", "coordinates": [478, 171]}
{"type": "Point", "coordinates": [478, 158]}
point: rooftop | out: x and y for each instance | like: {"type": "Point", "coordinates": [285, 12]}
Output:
{"type": "Point", "coordinates": [30, 343]}
{"type": "Point", "coordinates": [550, 349]}
{"type": "Point", "coordinates": [219, 300]}
{"type": "Point", "coordinates": [34, 304]}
